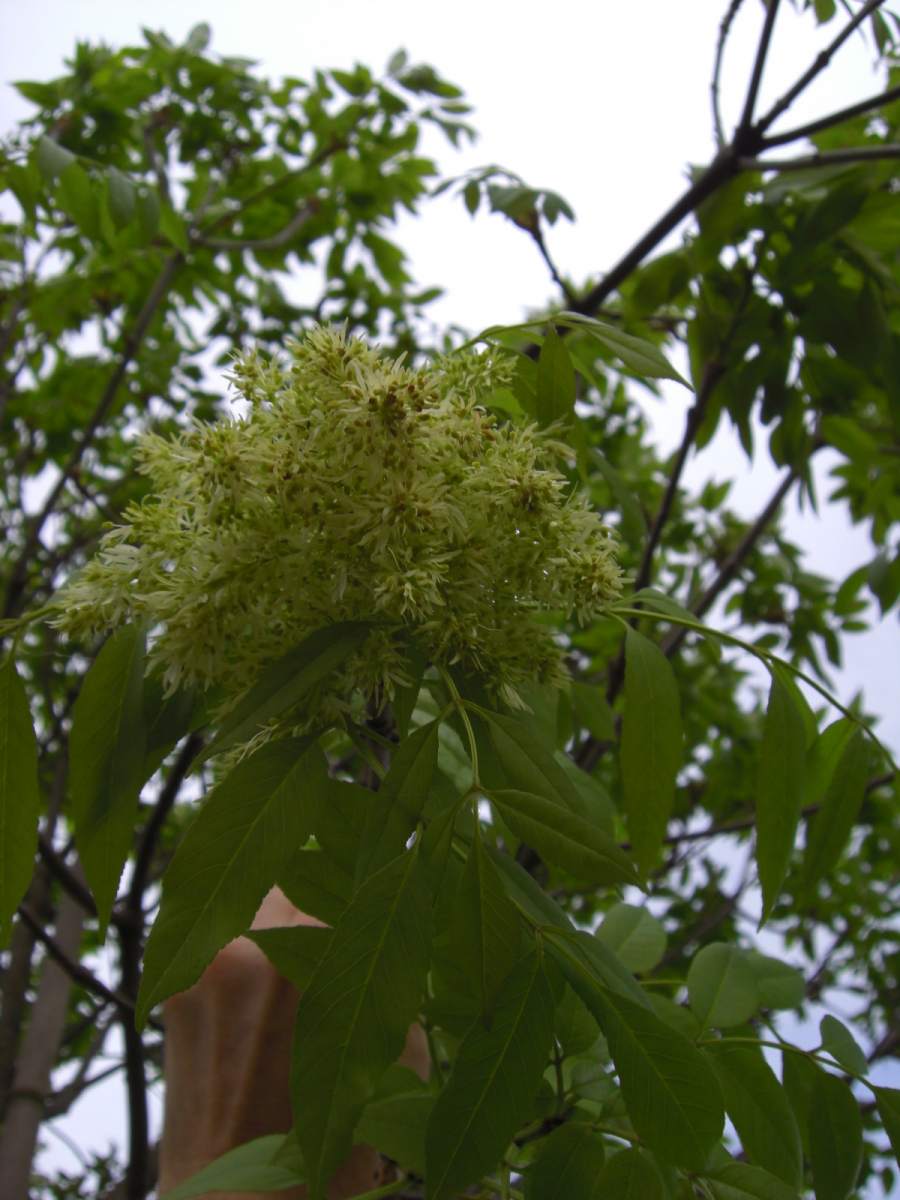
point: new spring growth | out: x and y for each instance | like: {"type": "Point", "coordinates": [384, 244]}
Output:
{"type": "Point", "coordinates": [354, 488]}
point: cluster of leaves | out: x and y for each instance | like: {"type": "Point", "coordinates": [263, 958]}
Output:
{"type": "Point", "coordinates": [564, 896]}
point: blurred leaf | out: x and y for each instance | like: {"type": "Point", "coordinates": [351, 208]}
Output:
{"type": "Point", "coordinates": [106, 762]}
{"type": "Point", "coordinates": [251, 1167]}
{"type": "Point", "coordinates": [651, 749]}
{"type": "Point", "coordinates": [52, 159]}
{"type": "Point", "coordinates": [636, 936]}
{"type": "Point", "coordinates": [19, 795]}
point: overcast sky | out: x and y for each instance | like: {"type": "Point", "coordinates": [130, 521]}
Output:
{"type": "Point", "coordinates": [605, 102]}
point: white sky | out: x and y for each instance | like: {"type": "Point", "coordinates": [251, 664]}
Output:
{"type": "Point", "coordinates": [605, 102]}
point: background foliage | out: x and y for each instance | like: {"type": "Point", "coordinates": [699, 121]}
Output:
{"type": "Point", "coordinates": [165, 202]}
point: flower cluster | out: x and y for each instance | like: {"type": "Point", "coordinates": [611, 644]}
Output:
{"type": "Point", "coordinates": [355, 488]}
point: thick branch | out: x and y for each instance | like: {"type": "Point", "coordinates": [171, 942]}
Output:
{"type": "Point", "coordinates": [825, 158]}
{"type": "Point", "coordinates": [835, 118]}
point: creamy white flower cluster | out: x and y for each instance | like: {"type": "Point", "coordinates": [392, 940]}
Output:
{"type": "Point", "coordinates": [355, 488]}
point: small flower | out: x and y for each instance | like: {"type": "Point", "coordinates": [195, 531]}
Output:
{"type": "Point", "coordinates": [355, 488]}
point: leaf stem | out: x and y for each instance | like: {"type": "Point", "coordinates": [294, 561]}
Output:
{"type": "Point", "coordinates": [460, 706]}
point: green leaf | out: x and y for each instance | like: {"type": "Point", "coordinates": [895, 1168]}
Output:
{"type": "Point", "coordinates": [741, 1181]}
{"type": "Point", "coordinates": [630, 1175]}
{"type": "Point", "coordinates": [295, 951]}
{"type": "Point", "coordinates": [555, 382]}
{"type": "Point", "coordinates": [198, 38]}
{"type": "Point", "coordinates": [316, 884]}
{"type": "Point", "coordinates": [106, 759]}
{"type": "Point", "coordinates": [76, 198]}
{"type": "Point", "coordinates": [760, 1110]}
{"type": "Point", "coordinates": [888, 1103]}
{"type": "Point", "coordinates": [354, 1016]}
{"type": "Point", "coordinates": [564, 838]}
{"type": "Point", "coordinates": [395, 1121]}
{"type": "Point", "coordinates": [485, 929]}
{"type": "Point", "coordinates": [493, 1085]}
{"type": "Point", "coordinates": [173, 229]}
{"type": "Point", "coordinates": [339, 821]}
{"type": "Point", "coordinates": [396, 807]}
{"type": "Point", "coordinates": [830, 827]}
{"type": "Point", "coordinates": [19, 794]}
{"type": "Point", "coordinates": [840, 1043]}
{"type": "Point", "coordinates": [52, 159]}
{"type": "Point", "coordinates": [651, 749]}
{"type": "Point", "coordinates": [635, 353]}
{"type": "Point", "coordinates": [121, 197]}
{"type": "Point", "coordinates": [148, 213]}
{"type": "Point", "coordinates": [835, 1138]}
{"type": "Point", "coordinates": [632, 525]}
{"type": "Point", "coordinates": [529, 897]}
{"type": "Point", "coordinates": [722, 986]}
{"type": "Point", "coordinates": [231, 855]}
{"type": "Point", "coordinates": [593, 711]}
{"type": "Point", "coordinates": [566, 1164]}
{"type": "Point", "coordinates": [671, 1093]}
{"type": "Point", "coordinates": [778, 984]}
{"type": "Point", "coordinates": [248, 1168]}
{"type": "Point", "coordinates": [779, 791]}
{"type": "Point", "coordinates": [590, 967]}
{"type": "Point", "coordinates": [636, 936]}
{"type": "Point", "coordinates": [527, 765]}
{"type": "Point", "coordinates": [286, 681]}
{"type": "Point", "coordinates": [573, 1026]}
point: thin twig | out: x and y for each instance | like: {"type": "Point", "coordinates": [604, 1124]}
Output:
{"type": "Point", "coordinates": [274, 242]}
{"type": "Point", "coordinates": [735, 560]}
{"type": "Point", "coordinates": [825, 158]}
{"type": "Point", "coordinates": [818, 65]}
{"type": "Point", "coordinates": [835, 118]}
{"type": "Point", "coordinates": [714, 89]}
{"type": "Point", "coordinates": [538, 239]}
{"type": "Point", "coordinates": [762, 53]}
{"type": "Point", "coordinates": [74, 970]}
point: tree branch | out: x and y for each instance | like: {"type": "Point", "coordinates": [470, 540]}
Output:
{"type": "Point", "coordinates": [825, 158]}
{"type": "Point", "coordinates": [275, 241]}
{"type": "Point", "coordinates": [724, 31]}
{"type": "Point", "coordinates": [818, 65]}
{"type": "Point", "coordinates": [835, 118]}
{"type": "Point", "coordinates": [762, 52]}
{"type": "Point", "coordinates": [538, 239]}
{"type": "Point", "coordinates": [81, 975]}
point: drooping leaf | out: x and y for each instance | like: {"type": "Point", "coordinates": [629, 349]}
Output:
{"type": "Point", "coordinates": [77, 199]}
{"type": "Point", "coordinates": [760, 1110]}
{"type": "Point", "coordinates": [835, 1138]}
{"type": "Point", "coordinates": [295, 951]}
{"type": "Point", "coordinates": [527, 765]}
{"type": "Point", "coordinates": [591, 967]}
{"type": "Point", "coordinates": [316, 884]}
{"type": "Point", "coordinates": [635, 353]}
{"type": "Point", "coordinates": [354, 1016]}
{"type": "Point", "coordinates": [778, 984]}
{"type": "Point", "coordinates": [285, 682]}
{"type": "Point", "coordinates": [671, 1094]}
{"type": "Point", "coordinates": [555, 381]}
{"type": "Point", "coordinates": [630, 1175]}
{"type": "Point", "coordinates": [887, 1101]}
{"type": "Point", "coordinates": [637, 937]}
{"type": "Point", "coordinates": [567, 1164]}
{"type": "Point", "coordinates": [779, 790]}
{"type": "Point", "coordinates": [593, 711]}
{"type": "Point", "coordinates": [742, 1181]}
{"type": "Point", "coordinates": [19, 794]}
{"type": "Point", "coordinates": [493, 1085]}
{"type": "Point", "coordinates": [651, 749]}
{"type": "Point", "coordinates": [397, 806]}
{"type": "Point", "coordinates": [396, 1118]}
{"type": "Point", "coordinates": [230, 856]}
{"type": "Point", "coordinates": [722, 986]}
{"type": "Point", "coordinates": [564, 838]}
{"type": "Point", "coordinates": [106, 759]}
{"type": "Point", "coordinates": [251, 1167]}
{"type": "Point", "coordinates": [842, 1045]}
{"type": "Point", "coordinates": [484, 930]}
{"type": "Point", "coordinates": [121, 197]}
{"type": "Point", "coordinates": [830, 827]}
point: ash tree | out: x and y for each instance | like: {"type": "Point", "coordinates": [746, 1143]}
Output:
{"type": "Point", "coordinates": [440, 626]}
